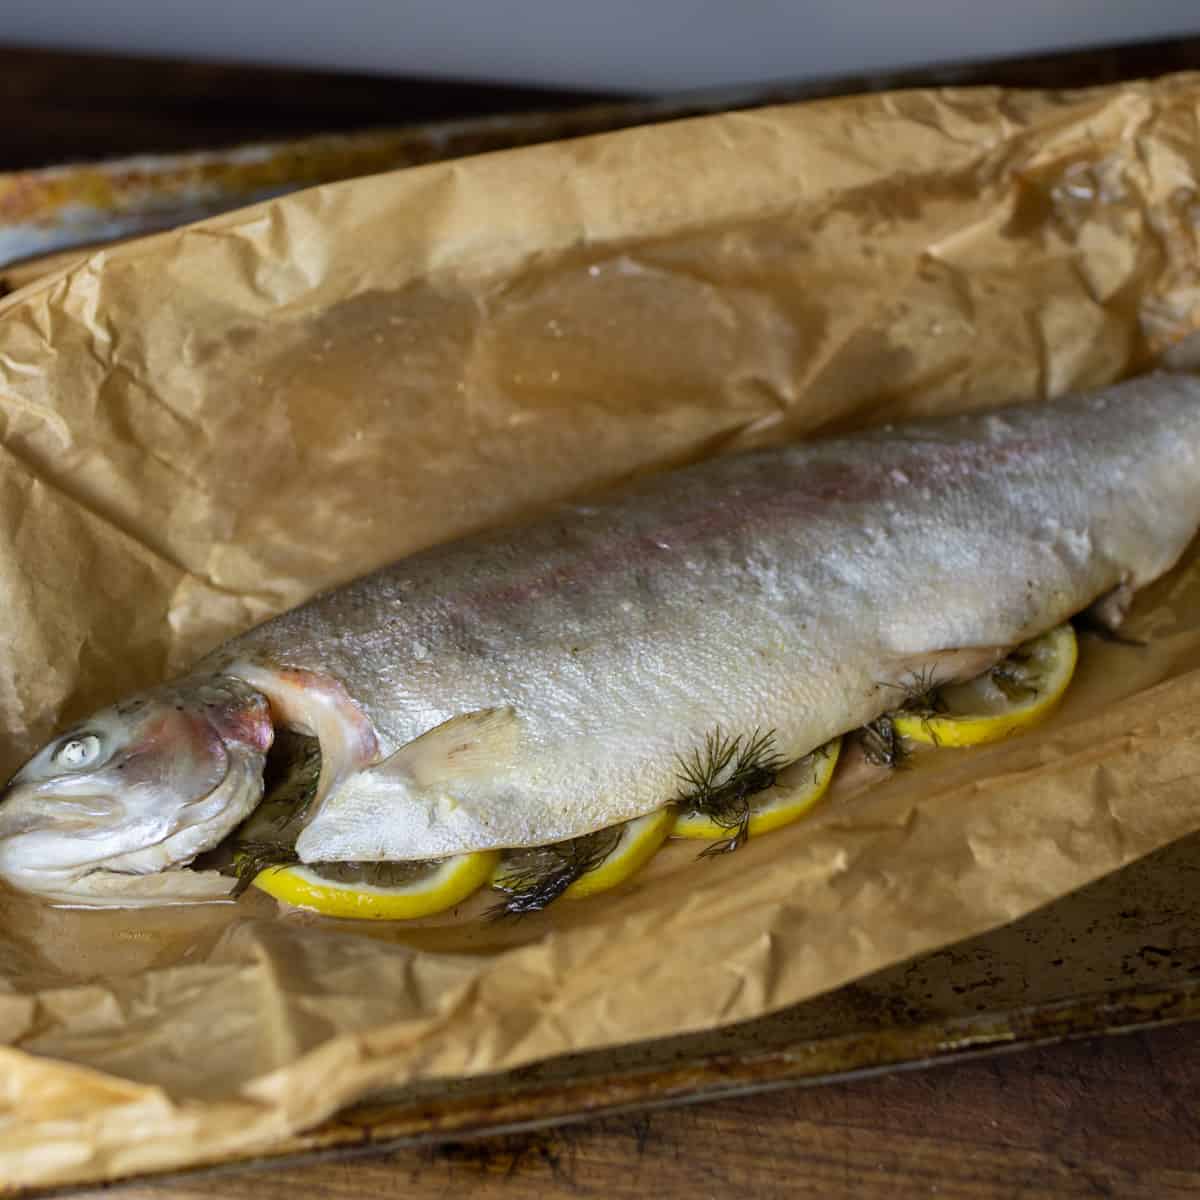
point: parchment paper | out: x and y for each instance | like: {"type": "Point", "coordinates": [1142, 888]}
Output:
{"type": "Point", "coordinates": [199, 429]}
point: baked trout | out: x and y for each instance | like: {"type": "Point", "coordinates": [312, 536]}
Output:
{"type": "Point", "coordinates": [535, 684]}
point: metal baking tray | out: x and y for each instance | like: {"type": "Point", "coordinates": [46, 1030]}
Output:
{"type": "Point", "coordinates": [1119, 955]}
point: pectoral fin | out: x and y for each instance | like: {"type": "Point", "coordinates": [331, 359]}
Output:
{"type": "Point", "coordinates": [432, 797]}
{"type": "Point", "coordinates": [474, 743]}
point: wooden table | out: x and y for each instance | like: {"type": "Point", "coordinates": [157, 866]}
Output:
{"type": "Point", "coordinates": [1114, 1117]}
{"type": "Point", "coordinates": [1098, 1118]}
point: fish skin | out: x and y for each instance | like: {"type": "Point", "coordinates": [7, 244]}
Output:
{"type": "Point", "coordinates": [535, 683]}
{"type": "Point", "coordinates": [792, 590]}
{"type": "Point", "coordinates": [175, 770]}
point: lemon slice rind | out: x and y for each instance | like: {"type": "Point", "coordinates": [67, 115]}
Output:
{"type": "Point", "coordinates": [640, 841]}
{"type": "Point", "coordinates": [1054, 653]}
{"type": "Point", "coordinates": [773, 809]}
{"type": "Point", "coordinates": [447, 885]}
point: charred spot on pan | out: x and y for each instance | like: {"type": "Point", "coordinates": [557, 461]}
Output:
{"type": "Point", "coordinates": [535, 876]}
{"type": "Point", "coordinates": [719, 781]}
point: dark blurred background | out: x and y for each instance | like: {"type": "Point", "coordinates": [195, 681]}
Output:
{"type": "Point", "coordinates": [630, 46]}
{"type": "Point", "coordinates": [117, 77]}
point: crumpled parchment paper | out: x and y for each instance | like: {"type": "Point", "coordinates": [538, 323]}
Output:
{"type": "Point", "coordinates": [201, 428]}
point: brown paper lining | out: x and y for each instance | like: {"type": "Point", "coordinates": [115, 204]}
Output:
{"type": "Point", "coordinates": [201, 428]}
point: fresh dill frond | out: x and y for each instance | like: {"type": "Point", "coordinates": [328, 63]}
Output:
{"type": "Point", "coordinates": [290, 778]}
{"type": "Point", "coordinates": [922, 694]}
{"type": "Point", "coordinates": [702, 773]}
{"type": "Point", "coordinates": [719, 781]}
{"type": "Point", "coordinates": [536, 876]}
{"type": "Point", "coordinates": [250, 858]}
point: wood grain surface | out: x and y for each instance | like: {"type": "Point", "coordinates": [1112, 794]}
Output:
{"type": "Point", "coordinates": [1112, 1117]}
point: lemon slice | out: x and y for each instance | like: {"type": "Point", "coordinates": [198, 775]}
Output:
{"type": "Point", "coordinates": [534, 876]}
{"type": "Point", "coordinates": [379, 891]}
{"type": "Point", "coordinates": [776, 807]}
{"type": "Point", "coordinates": [640, 840]}
{"type": "Point", "coordinates": [1016, 692]}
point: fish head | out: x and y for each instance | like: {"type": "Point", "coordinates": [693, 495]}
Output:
{"type": "Point", "coordinates": [101, 814]}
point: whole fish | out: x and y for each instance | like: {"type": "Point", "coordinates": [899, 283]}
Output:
{"type": "Point", "coordinates": [535, 684]}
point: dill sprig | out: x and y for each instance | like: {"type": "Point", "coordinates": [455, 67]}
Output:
{"type": "Point", "coordinates": [719, 781]}
{"type": "Point", "coordinates": [536, 876]}
{"type": "Point", "coordinates": [922, 694]}
{"type": "Point", "coordinates": [291, 778]}
{"type": "Point", "coordinates": [250, 858]}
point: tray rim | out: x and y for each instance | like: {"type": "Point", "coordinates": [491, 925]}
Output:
{"type": "Point", "coordinates": [379, 1126]}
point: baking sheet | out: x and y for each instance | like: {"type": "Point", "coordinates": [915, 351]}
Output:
{"type": "Point", "coordinates": [665, 303]}
{"type": "Point", "coordinates": [1117, 956]}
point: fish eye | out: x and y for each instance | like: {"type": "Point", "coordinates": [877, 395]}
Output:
{"type": "Point", "coordinates": [78, 751]}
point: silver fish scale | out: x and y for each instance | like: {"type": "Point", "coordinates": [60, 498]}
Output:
{"type": "Point", "coordinates": [782, 590]}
